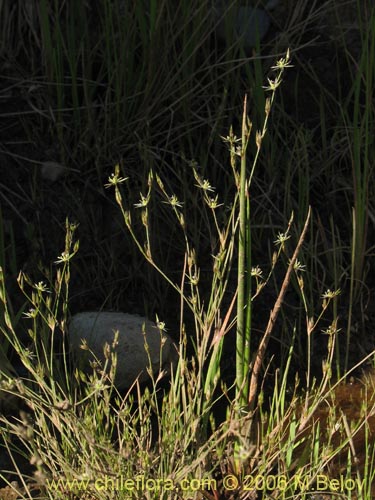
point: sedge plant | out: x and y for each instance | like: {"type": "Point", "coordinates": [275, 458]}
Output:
{"type": "Point", "coordinates": [210, 326]}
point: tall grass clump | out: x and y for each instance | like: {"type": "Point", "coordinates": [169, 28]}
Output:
{"type": "Point", "coordinates": [99, 73]}
{"type": "Point", "coordinates": [358, 119]}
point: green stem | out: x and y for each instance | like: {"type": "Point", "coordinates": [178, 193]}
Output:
{"type": "Point", "coordinates": [241, 343]}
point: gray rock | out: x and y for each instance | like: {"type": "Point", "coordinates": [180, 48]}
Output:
{"type": "Point", "coordinates": [52, 171]}
{"type": "Point", "coordinates": [248, 23]}
{"type": "Point", "coordinates": [98, 328]}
